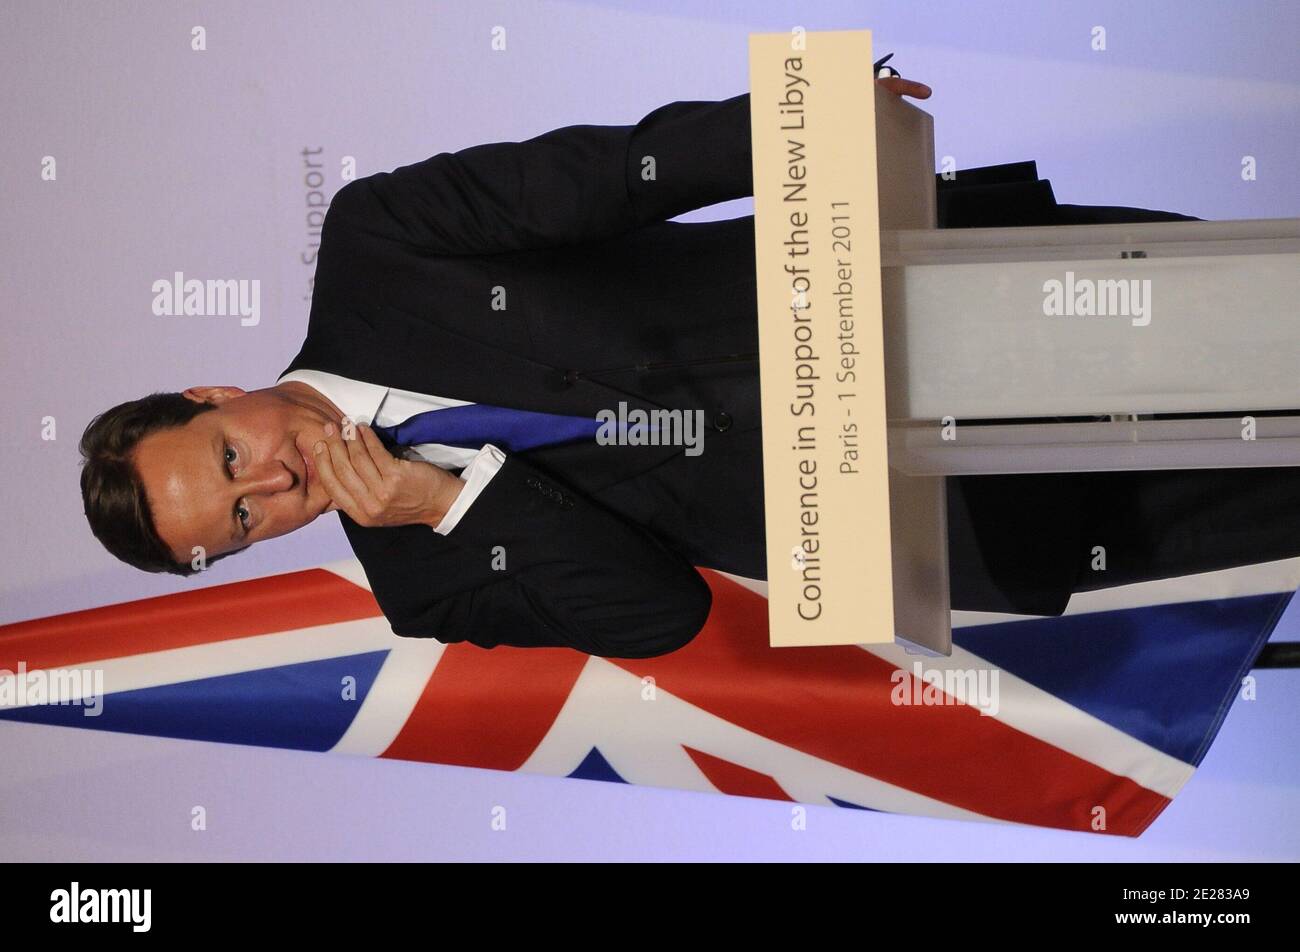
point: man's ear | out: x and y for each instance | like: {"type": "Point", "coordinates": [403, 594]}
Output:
{"type": "Point", "coordinates": [214, 395]}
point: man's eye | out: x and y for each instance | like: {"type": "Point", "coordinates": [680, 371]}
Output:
{"type": "Point", "coordinates": [230, 454]}
{"type": "Point", "coordinates": [242, 513]}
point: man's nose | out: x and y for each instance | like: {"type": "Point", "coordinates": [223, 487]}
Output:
{"type": "Point", "coordinates": [267, 478]}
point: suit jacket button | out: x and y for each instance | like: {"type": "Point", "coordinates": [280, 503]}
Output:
{"type": "Point", "coordinates": [722, 421]}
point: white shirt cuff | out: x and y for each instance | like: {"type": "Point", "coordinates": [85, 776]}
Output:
{"type": "Point", "coordinates": [475, 476]}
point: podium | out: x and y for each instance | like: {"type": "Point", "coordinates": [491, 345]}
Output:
{"type": "Point", "coordinates": [1067, 348]}
{"type": "Point", "coordinates": [1202, 374]}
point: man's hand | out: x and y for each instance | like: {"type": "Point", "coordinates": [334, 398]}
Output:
{"type": "Point", "coordinates": [376, 489]}
{"type": "Point", "coordinates": [905, 87]}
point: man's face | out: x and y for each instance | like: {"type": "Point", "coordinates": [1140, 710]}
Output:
{"type": "Point", "coordinates": [235, 475]}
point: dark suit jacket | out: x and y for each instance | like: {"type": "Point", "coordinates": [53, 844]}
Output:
{"type": "Point", "coordinates": [599, 542]}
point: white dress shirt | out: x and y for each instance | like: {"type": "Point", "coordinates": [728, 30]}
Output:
{"type": "Point", "coordinates": [375, 405]}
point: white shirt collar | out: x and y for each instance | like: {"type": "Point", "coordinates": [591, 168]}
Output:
{"type": "Point", "coordinates": [358, 400]}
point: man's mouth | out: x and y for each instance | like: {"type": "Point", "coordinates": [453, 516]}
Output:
{"type": "Point", "coordinates": [308, 471]}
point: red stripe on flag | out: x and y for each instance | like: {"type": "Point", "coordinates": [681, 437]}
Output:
{"type": "Point", "coordinates": [834, 703]}
{"type": "Point", "coordinates": [734, 779]}
{"type": "Point", "coordinates": [238, 610]}
{"type": "Point", "coordinates": [488, 707]}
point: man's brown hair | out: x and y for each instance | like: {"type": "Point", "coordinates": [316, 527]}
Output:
{"type": "Point", "coordinates": [111, 490]}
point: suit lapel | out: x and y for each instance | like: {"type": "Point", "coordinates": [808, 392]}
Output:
{"type": "Point", "coordinates": [401, 351]}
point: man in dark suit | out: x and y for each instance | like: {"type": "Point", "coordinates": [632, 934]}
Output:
{"type": "Point", "coordinates": [546, 277]}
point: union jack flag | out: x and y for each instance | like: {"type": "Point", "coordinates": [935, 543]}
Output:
{"type": "Point", "coordinates": [1102, 714]}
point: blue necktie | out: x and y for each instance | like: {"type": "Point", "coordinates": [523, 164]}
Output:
{"type": "Point", "coordinates": [475, 424]}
